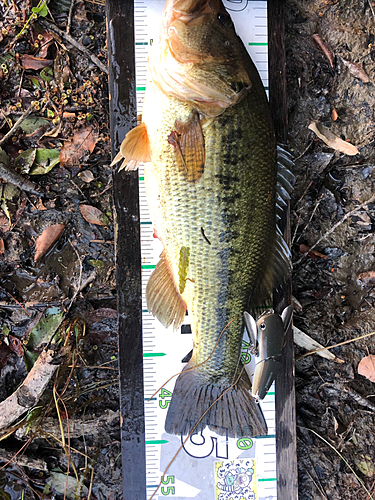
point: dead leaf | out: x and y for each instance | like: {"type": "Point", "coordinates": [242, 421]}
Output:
{"type": "Point", "coordinates": [324, 49]}
{"type": "Point", "coordinates": [94, 215]}
{"type": "Point", "coordinates": [75, 149]}
{"type": "Point", "coordinates": [44, 44]}
{"type": "Point", "coordinates": [31, 62]}
{"type": "Point", "coordinates": [2, 247]}
{"type": "Point", "coordinates": [332, 140]}
{"type": "Point", "coordinates": [356, 70]}
{"type": "Point", "coordinates": [335, 115]}
{"type": "Point", "coordinates": [366, 279]}
{"type": "Point", "coordinates": [366, 367]}
{"type": "Point", "coordinates": [100, 314]}
{"type": "Point", "coordinates": [314, 254]}
{"type": "Point", "coordinates": [86, 176]}
{"type": "Point", "coordinates": [48, 237]}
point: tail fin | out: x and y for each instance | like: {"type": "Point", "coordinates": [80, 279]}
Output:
{"type": "Point", "coordinates": [236, 411]}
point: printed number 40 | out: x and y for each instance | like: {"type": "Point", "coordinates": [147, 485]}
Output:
{"type": "Point", "coordinates": [169, 489]}
{"type": "Point", "coordinates": [163, 404]}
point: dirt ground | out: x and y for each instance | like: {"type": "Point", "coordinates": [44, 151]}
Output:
{"type": "Point", "coordinates": [56, 247]}
{"type": "Point", "coordinates": [335, 405]}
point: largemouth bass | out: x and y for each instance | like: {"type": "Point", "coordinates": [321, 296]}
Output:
{"type": "Point", "coordinates": [212, 193]}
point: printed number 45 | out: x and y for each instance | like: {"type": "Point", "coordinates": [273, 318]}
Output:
{"type": "Point", "coordinates": [169, 489]}
{"type": "Point", "coordinates": [164, 404]}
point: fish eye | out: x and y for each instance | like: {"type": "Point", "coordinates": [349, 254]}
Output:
{"type": "Point", "coordinates": [225, 20]}
{"type": "Point", "coordinates": [262, 326]}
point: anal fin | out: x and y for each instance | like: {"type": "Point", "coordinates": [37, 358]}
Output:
{"type": "Point", "coordinates": [163, 298]}
{"type": "Point", "coordinates": [187, 143]}
{"type": "Point", "coordinates": [135, 148]}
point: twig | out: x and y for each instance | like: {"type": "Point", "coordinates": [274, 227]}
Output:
{"type": "Point", "coordinates": [333, 228]}
{"type": "Point", "coordinates": [70, 17]}
{"type": "Point", "coordinates": [76, 44]}
{"type": "Point", "coordinates": [17, 125]}
{"type": "Point", "coordinates": [372, 10]}
{"type": "Point", "coordinates": [30, 391]}
{"type": "Point", "coordinates": [14, 178]}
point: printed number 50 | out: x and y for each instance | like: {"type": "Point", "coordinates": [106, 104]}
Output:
{"type": "Point", "coordinates": [169, 489]}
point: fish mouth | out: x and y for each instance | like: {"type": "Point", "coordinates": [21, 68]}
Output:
{"type": "Point", "coordinates": [191, 11]}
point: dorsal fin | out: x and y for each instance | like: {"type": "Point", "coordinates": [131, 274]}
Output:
{"type": "Point", "coordinates": [163, 298]}
{"type": "Point", "coordinates": [135, 148]}
{"type": "Point", "coordinates": [187, 142]}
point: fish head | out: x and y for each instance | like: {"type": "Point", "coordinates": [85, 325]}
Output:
{"type": "Point", "coordinates": [199, 57]}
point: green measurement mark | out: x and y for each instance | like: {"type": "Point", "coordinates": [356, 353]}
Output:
{"type": "Point", "coordinates": [264, 479]}
{"type": "Point", "coordinates": [143, 223]}
{"type": "Point", "coordinates": [141, 88]}
{"type": "Point", "coordinates": [266, 437]}
{"type": "Point", "coordinates": [148, 399]}
{"type": "Point", "coordinates": [153, 354]}
{"type": "Point", "coordinates": [141, 178]}
{"type": "Point", "coordinates": [258, 44]}
{"type": "Point", "coordinates": [157, 441]}
{"type": "Point", "coordinates": [145, 310]}
{"type": "Point", "coordinates": [271, 393]}
{"type": "Point", "coordinates": [141, 43]}
{"type": "Point", "coordinates": [148, 266]}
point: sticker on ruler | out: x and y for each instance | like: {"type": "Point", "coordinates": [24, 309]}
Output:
{"type": "Point", "coordinates": [210, 466]}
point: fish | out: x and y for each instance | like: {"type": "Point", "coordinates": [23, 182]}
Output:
{"type": "Point", "coordinates": [213, 193]}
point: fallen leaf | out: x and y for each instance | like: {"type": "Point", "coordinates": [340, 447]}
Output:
{"type": "Point", "coordinates": [94, 215]}
{"type": "Point", "coordinates": [75, 149]}
{"type": "Point", "coordinates": [324, 49]}
{"type": "Point", "coordinates": [365, 464]}
{"type": "Point", "coordinates": [48, 237]}
{"type": "Point", "coordinates": [4, 224]}
{"type": "Point", "coordinates": [69, 115]}
{"type": "Point", "coordinates": [100, 314]}
{"type": "Point", "coordinates": [44, 328]}
{"type": "Point", "coordinates": [332, 140]}
{"type": "Point", "coordinates": [335, 115]}
{"type": "Point", "coordinates": [2, 247]}
{"type": "Point", "coordinates": [45, 160]}
{"type": "Point", "coordinates": [4, 158]}
{"type": "Point", "coordinates": [68, 485]}
{"type": "Point", "coordinates": [366, 367]}
{"type": "Point", "coordinates": [15, 345]}
{"type": "Point", "coordinates": [86, 176]}
{"type": "Point", "coordinates": [32, 123]}
{"type": "Point", "coordinates": [356, 70]}
{"type": "Point", "coordinates": [10, 191]}
{"type": "Point", "coordinates": [314, 254]}
{"type": "Point", "coordinates": [25, 160]}
{"type": "Point", "coordinates": [31, 62]}
{"type": "Point", "coordinates": [366, 279]}
{"type": "Point", "coordinates": [44, 44]}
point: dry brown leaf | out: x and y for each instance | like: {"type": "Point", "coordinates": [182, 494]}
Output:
{"type": "Point", "coordinates": [31, 62]}
{"type": "Point", "coordinates": [323, 48]}
{"type": "Point", "coordinates": [44, 44]}
{"type": "Point", "coordinates": [332, 140]}
{"type": "Point", "coordinates": [2, 247]}
{"type": "Point", "coordinates": [48, 237]}
{"type": "Point", "coordinates": [73, 150]}
{"type": "Point", "coordinates": [335, 114]}
{"type": "Point", "coordinates": [366, 367]}
{"type": "Point", "coordinates": [94, 215]}
{"type": "Point", "coordinates": [356, 70]}
{"type": "Point", "coordinates": [86, 176]}
{"type": "Point", "coordinates": [366, 279]}
{"type": "Point", "coordinates": [314, 254]}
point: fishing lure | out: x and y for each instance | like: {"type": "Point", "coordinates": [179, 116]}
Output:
{"type": "Point", "coordinates": [267, 336]}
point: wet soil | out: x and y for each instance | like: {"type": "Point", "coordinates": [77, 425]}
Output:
{"type": "Point", "coordinates": [335, 405]}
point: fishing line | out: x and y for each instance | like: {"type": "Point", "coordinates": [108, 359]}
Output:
{"type": "Point", "coordinates": [199, 364]}
{"type": "Point", "coordinates": [201, 418]}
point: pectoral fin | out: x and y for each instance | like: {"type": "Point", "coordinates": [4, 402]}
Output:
{"type": "Point", "coordinates": [187, 143]}
{"type": "Point", "coordinates": [163, 298]}
{"type": "Point", "coordinates": [135, 148]}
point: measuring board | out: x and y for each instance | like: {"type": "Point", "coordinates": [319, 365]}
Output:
{"type": "Point", "coordinates": [209, 466]}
